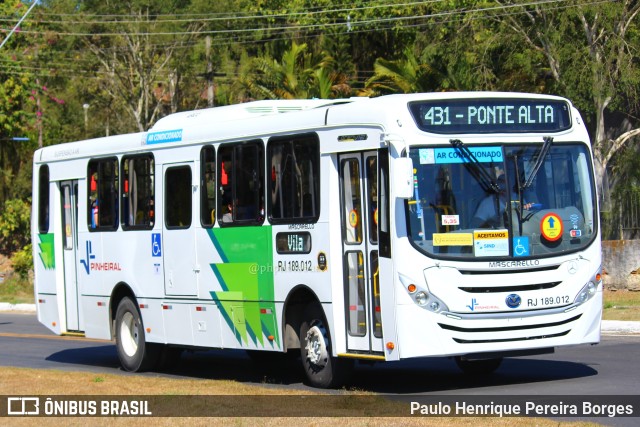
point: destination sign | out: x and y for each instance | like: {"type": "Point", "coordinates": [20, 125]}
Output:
{"type": "Point", "coordinates": [293, 243]}
{"type": "Point", "coordinates": [508, 115]}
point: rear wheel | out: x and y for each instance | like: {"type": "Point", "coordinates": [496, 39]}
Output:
{"type": "Point", "coordinates": [322, 370]}
{"type": "Point", "coordinates": [134, 352]}
{"type": "Point", "coordinates": [478, 367]}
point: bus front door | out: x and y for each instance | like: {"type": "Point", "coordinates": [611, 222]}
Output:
{"type": "Point", "coordinates": [69, 193]}
{"type": "Point", "coordinates": [359, 212]}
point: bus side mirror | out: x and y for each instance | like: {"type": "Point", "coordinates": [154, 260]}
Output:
{"type": "Point", "coordinates": [403, 178]}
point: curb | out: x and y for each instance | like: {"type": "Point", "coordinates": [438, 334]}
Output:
{"type": "Point", "coordinates": [5, 306]}
{"type": "Point", "coordinates": [620, 327]}
{"type": "Point", "coordinates": [609, 327]}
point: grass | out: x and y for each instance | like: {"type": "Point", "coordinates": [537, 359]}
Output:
{"type": "Point", "coordinates": [16, 290]}
{"type": "Point", "coordinates": [31, 382]}
{"type": "Point", "coordinates": [621, 305]}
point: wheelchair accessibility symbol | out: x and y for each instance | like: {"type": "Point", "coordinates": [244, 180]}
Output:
{"type": "Point", "coordinates": [521, 246]}
{"type": "Point", "coordinates": [156, 244]}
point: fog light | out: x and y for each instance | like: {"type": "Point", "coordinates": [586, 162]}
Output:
{"type": "Point", "coordinates": [421, 298]}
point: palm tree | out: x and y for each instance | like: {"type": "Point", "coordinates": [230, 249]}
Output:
{"type": "Point", "coordinates": [299, 74]}
{"type": "Point", "coordinates": [405, 75]}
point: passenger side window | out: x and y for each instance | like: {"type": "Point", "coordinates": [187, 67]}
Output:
{"type": "Point", "coordinates": [294, 179]}
{"type": "Point", "coordinates": [43, 199]}
{"type": "Point", "coordinates": [177, 197]}
{"type": "Point", "coordinates": [207, 186]}
{"type": "Point", "coordinates": [138, 194]}
{"type": "Point", "coordinates": [102, 209]}
{"type": "Point", "coordinates": [241, 183]}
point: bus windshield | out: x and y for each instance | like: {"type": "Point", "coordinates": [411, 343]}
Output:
{"type": "Point", "coordinates": [502, 201]}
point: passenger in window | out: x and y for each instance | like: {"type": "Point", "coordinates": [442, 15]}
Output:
{"type": "Point", "coordinates": [261, 213]}
{"type": "Point", "coordinates": [486, 215]}
{"type": "Point", "coordinates": [94, 213]}
{"type": "Point", "coordinates": [151, 211]}
{"type": "Point", "coordinates": [228, 216]}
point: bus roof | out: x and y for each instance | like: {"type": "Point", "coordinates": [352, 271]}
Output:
{"type": "Point", "coordinates": [241, 111]}
{"type": "Point", "coordinates": [273, 115]}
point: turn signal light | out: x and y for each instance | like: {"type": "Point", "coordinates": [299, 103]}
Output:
{"type": "Point", "coordinates": [412, 288]}
{"type": "Point", "coordinates": [390, 345]}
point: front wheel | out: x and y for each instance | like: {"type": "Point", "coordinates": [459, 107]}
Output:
{"type": "Point", "coordinates": [478, 367]}
{"type": "Point", "coordinates": [321, 368]}
{"type": "Point", "coordinates": [134, 352]}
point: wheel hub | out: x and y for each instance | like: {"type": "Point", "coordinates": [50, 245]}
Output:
{"type": "Point", "coordinates": [316, 346]}
{"type": "Point", "coordinates": [129, 334]}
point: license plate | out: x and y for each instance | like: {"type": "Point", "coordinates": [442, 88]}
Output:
{"type": "Point", "coordinates": [547, 301]}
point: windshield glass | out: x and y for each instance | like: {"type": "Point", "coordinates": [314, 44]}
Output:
{"type": "Point", "coordinates": [513, 202]}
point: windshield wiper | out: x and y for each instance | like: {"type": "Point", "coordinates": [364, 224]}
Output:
{"type": "Point", "coordinates": [539, 160]}
{"type": "Point", "coordinates": [475, 168]}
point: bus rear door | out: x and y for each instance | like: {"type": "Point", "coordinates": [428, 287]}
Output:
{"type": "Point", "coordinates": [69, 192]}
{"type": "Point", "coordinates": [359, 212]}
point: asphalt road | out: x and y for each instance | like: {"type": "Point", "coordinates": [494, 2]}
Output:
{"type": "Point", "coordinates": [610, 368]}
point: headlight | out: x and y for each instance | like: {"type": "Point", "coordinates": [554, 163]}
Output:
{"type": "Point", "coordinates": [585, 294]}
{"type": "Point", "coordinates": [422, 296]}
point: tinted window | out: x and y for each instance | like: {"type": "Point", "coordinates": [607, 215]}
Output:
{"type": "Point", "coordinates": [294, 179]}
{"type": "Point", "coordinates": [241, 188]}
{"type": "Point", "coordinates": [513, 203]}
{"type": "Point", "coordinates": [177, 208]}
{"type": "Point", "coordinates": [207, 186]}
{"type": "Point", "coordinates": [102, 211]}
{"type": "Point", "coordinates": [138, 196]}
{"type": "Point", "coordinates": [43, 199]}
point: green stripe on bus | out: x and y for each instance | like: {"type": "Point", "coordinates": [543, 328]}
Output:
{"type": "Point", "coordinates": [47, 254]}
{"type": "Point", "coordinates": [246, 281]}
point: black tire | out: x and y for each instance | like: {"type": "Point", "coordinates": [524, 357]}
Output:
{"type": "Point", "coordinates": [134, 352]}
{"type": "Point", "coordinates": [478, 367]}
{"type": "Point", "coordinates": [322, 370]}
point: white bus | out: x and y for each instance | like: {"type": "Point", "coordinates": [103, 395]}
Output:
{"type": "Point", "coordinates": [448, 224]}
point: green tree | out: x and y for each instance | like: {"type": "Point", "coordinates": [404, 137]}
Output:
{"type": "Point", "coordinates": [405, 75]}
{"type": "Point", "coordinates": [298, 74]}
{"type": "Point", "coordinates": [590, 55]}
{"type": "Point", "coordinates": [136, 44]}
{"type": "Point", "coordinates": [15, 225]}
{"type": "Point", "coordinates": [18, 114]}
